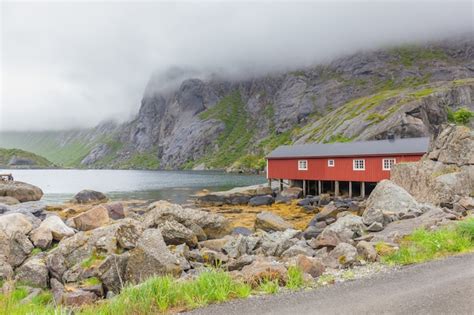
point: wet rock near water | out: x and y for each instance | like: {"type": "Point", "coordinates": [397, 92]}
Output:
{"type": "Point", "coordinates": [20, 191]}
{"type": "Point", "coordinates": [236, 196]}
{"type": "Point", "coordinates": [89, 196]}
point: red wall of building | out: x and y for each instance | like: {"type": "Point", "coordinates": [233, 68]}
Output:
{"type": "Point", "coordinates": [342, 171]}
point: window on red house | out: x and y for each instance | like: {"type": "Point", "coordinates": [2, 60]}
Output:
{"type": "Point", "coordinates": [387, 164]}
{"type": "Point", "coordinates": [302, 165]}
{"type": "Point", "coordinates": [358, 165]}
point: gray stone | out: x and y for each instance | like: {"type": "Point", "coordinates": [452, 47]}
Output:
{"type": "Point", "coordinates": [261, 200]}
{"type": "Point", "coordinates": [292, 192]}
{"type": "Point", "coordinates": [111, 272]}
{"type": "Point", "coordinates": [20, 191]}
{"type": "Point", "coordinates": [268, 221]}
{"type": "Point", "coordinates": [213, 225]}
{"type": "Point", "coordinates": [239, 263]}
{"type": "Point", "coordinates": [15, 223]}
{"type": "Point", "coordinates": [343, 255]}
{"type": "Point", "coordinates": [33, 272]}
{"type": "Point", "coordinates": [174, 233]}
{"type": "Point", "coordinates": [151, 257]}
{"type": "Point", "coordinates": [387, 197]}
{"type": "Point", "coordinates": [375, 227]}
{"type": "Point", "coordinates": [92, 219]}
{"type": "Point", "coordinates": [89, 196]}
{"type": "Point", "coordinates": [367, 251]}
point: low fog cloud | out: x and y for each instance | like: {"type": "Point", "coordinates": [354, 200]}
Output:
{"type": "Point", "coordinates": [68, 65]}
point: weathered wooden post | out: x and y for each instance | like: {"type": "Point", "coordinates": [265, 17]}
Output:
{"type": "Point", "coordinates": [350, 189]}
{"type": "Point", "coordinates": [320, 191]}
{"type": "Point", "coordinates": [362, 189]}
{"type": "Point", "coordinates": [336, 188]}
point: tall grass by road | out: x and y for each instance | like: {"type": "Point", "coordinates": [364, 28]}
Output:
{"type": "Point", "coordinates": [425, 245]}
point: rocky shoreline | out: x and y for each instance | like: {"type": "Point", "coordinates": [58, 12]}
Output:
{"type": "Point", "coordinates": [61, 248]}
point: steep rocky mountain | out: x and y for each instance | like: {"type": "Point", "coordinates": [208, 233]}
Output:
{"type": "Point", "coordinates": [216, 123]}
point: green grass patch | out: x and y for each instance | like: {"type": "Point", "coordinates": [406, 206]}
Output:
{"type": "Point", "coordinates": [35, 251]}
{"type": "Point", "coordinates": [91, 281]}
{"type": "Point", "coordinates": [461, 116]}
{"type": "Point", "coordinates": [425, 245]}
{"type": "Point", "coordinates": [92, 260]}
{"type": "Point", "coordinates": [269, 286]}
{"type": "Point", "coordinates": [162, 294]}
{"type": "Point", "coordinates": [295, 278]}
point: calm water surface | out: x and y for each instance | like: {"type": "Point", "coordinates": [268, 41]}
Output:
{"type": "Point", "coordinates": [61, 185]}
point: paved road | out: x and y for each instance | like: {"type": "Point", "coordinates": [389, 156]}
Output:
{"type": "Point", "coordinates": [438, 287]}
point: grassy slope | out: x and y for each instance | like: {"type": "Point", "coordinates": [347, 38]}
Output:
{"type": "Point", "coordinates": [7, 154]}
{"type": "Point", "coordinates": [48, 144]}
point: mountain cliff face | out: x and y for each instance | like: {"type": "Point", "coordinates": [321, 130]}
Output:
{"type": "Point", "coordinates": [220, 123]}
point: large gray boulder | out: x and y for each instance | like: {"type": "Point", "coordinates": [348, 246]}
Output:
{"type": "Point", "coordinates": [33, 272]}
{"type": "Point", "coordinates": [13, 223]}
{"type": "Point", "coordinates": [14, 248]}
{"type": "Point", "coordinates": [292, 192]}
{"type": "Point", "coordinates": [6, 271]}
{"type": "Point", "coordinates": [213, 225]}
{"type": "Point", "coordinates": [66, 261]}
{"type": "Point", "coordinates": [92, 219]}
{"type": "Point", "coordinates": [274, 244]}
{"type": "Point", "coordinates": [151, 257]}
{"type": "Point", "coordinates": [264, 200]}
{"type": "Point", "coordinates": [52, 228]}
{"type": "Point", "coordinates": [344, 230]}
{"type": "Point", "coordinates": [238, 195]}
{"type": "Point", "coordinates": [270, 222]}
{"type": "Point", "coordinates": [89, 196]}
{"type": "Point", "coordinates": [445, 172]}
{"type": "Point", "coordinates": [111, 272]}
{"type": "Point", "coordinates": [174, 233]}
{"type": "Point", "coordinates": [20, 191]}
{"type": "Point", "coordinates": [388, 199]}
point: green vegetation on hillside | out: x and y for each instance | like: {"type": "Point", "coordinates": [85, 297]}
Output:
{"type": "Point", "coordinates": [462, 116]}
{"type": "Point", "coordinates": [6, 156]}
{"type": "Point", "coordinates": [146, 160]}
{"type": "Point", "coordinates": [51, 145]}
{"type": "Point", "coordinates": [425, 245]}
{"type": "Point", "coordinates": [236, 138]}
{"type": "Point", "coordinates": [410, 54]}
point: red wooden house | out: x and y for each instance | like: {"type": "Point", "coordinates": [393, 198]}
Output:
{"type": "Point", "coordinates": [341, 167]}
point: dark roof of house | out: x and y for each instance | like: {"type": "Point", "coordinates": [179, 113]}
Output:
{"type": "Point", "coordinates": [358, 148]}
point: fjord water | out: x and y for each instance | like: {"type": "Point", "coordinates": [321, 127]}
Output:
{"type": "Point", "coordinates": [60, 185]}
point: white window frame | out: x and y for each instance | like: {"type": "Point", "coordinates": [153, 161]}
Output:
{"type": "Point", "coordinates": [300, 168]}
{"type": "Point", "coordinates": [354, 163]}
{"type": "Point", "coordinates": [331, 164]}
{"type": "Point", "coordinates": [390, 165]}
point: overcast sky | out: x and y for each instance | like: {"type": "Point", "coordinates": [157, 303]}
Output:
{"type": "Point", "coordinates": [74, 64]}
